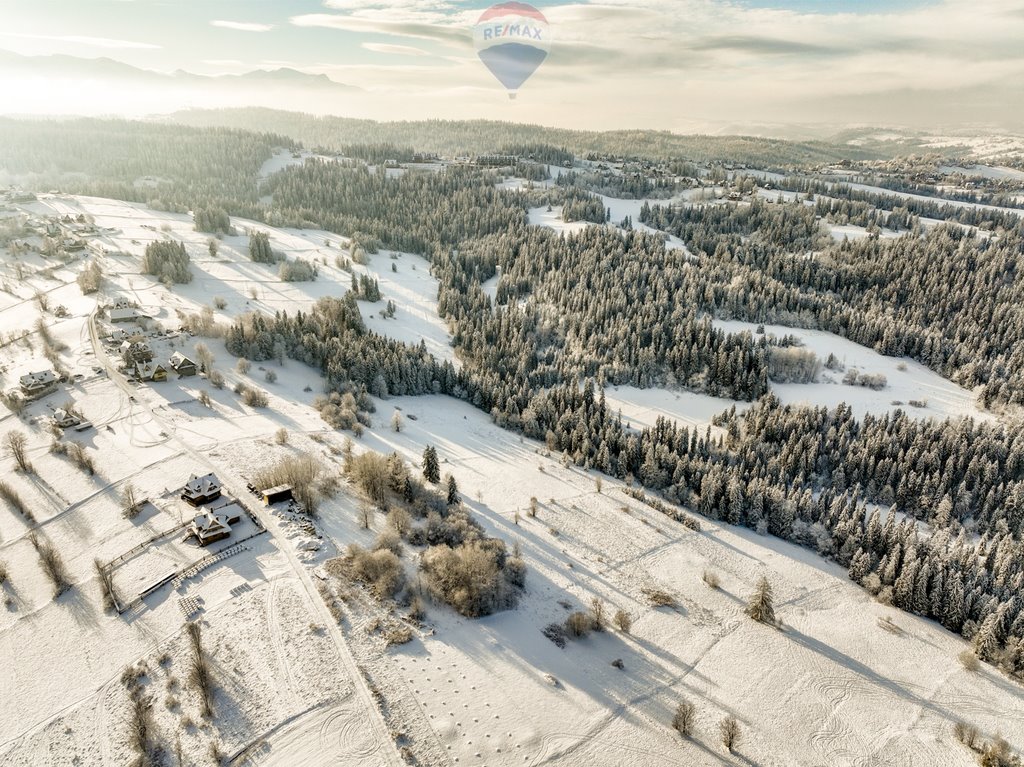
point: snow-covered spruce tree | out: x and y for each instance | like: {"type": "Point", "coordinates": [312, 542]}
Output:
{"type": "Point", "coordinates": [760, 606]}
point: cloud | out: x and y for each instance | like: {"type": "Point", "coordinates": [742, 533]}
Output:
{"type": "Point", "coordinates": [242, 26]}
{"type": "Point", "coordinates": [418, 30]}
{"type": "Point", "coordinates": [397, 50]}
{"type": "Point", "coordinates": [95, 42]}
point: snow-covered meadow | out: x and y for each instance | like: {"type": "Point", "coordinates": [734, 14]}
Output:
{"type": "Point", "coordinates": [844, 681]}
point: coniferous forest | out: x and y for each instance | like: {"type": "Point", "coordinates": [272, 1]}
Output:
{"type": "Point", "coordinates": [926, 514]}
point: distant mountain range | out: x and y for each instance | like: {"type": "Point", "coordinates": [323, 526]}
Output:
{"type": "Point", "coordinates": [76, 68]}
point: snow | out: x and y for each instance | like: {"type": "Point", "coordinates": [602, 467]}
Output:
{"type": "Point", "coordinates": [907, 379]}
{"type": "Point", "coordinates": [994, 172]}
{"type": "Point", "coordinates": [293, 686]}
{"type": "Point", "coordinates": [641, 408]}
{"type": "Point", "coordinates": [853, 232]}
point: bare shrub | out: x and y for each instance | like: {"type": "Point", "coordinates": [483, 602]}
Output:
{"type": "Point", "coordinates": [52, 563]}
{"type": "Point", "coordinates": [966, 734]}
{"type": "Point", "coordinates": [969, 660]}
{"type": "Point", "coordinates": [660, 598]}
{"type": "Point", "coordinates": [684, 718]}
{"type": "Point", "coordinates": [106, 585]}
{"type": "Point", "coordinates": [578, 624]}
{"type": "Point", "coordinates": [131, 504]}
{"type": "Point", "coordinates": [400, 521]}
{"type": "Point", "coordinates": [254, 397]}
{"type": "Point", "coordinates": [281, 436]}
{"type": "Point", "coordinates": [597, 614]}
{"type": "Point", "coordinates": [270, 376]}
{"type": "Point", "coordinates": [729, 729]}
{"type": "Point", "coordinates": [141, 729]}
{"type": "Point", "coordinates": [997, 754]}
{"type": "Point", "coordinates": [204, 398]}
{"type": "Point", "coordinates": [220, 303]}
{"type": "Point", "coordinates": [623, 621]}
{"type": "Point", "coordinates": [398, 635]}
{"type": "Point", "coordinates": [11, 496]}
{"type": "Point", "coordinates": [471, 577]}
{"type": "Point", "coordinates": [370, 472]}
{"type": "Point", "coordinates": [216, 379]}
{"type": "Point", "coordinates": [200, 674]}
{"type": "Point", "coordinates": [380, 570]}
{"type": "Point", "coordinates": [243, 366]}
{"type": "Point", "coordinates": [80, 458]}
{"type": "Point", "coordinates": [3, 572]}
{"type": "Point", "coordinates": [711, 579]}
{"type": "Point", "coordinates": [389, 541]}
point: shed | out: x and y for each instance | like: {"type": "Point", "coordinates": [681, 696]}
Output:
{"type": "Point", "coordinates": [277, 494]}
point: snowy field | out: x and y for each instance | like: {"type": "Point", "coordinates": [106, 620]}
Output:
{"type": "Point", "coordinates": [834, 686]}
{"type": "Point", "coordinates": [907, 379]}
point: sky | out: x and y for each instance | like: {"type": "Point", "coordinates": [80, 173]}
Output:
{"type": "Point", "coordinates": [681, 65]}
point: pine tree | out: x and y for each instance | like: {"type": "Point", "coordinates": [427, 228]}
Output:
{"type": "Point", "coordinates": [453, 491]}
{"type": "Point", "coordinates": [431, 466]}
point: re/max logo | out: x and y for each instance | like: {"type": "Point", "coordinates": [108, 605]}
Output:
{"type": "Point", "coordinates": [512, 30]}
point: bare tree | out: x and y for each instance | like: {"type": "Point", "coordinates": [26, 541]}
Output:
{"type": "Point", "coordinates": [365, 514]}
{"type": "Point", "coordinates": [130, 503]}
{"type": "Point", "coordinates": [204, 357]}
{"type": "Point", "coordinates": [597, 613]}
{"type": "Point", "coordinates": [623, 621]}
{"type": "Point", "coordinates": [684, 718]}
{"type": "Point", "coordinates": [53, 564]}
{"type": "Point", "coordinates": [15, 442]}
{"type": "Point", "coordinates": [729, 729]}
{"type": "Point", "coordinates": [396, 422]}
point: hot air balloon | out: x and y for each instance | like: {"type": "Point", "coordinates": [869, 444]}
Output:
{"type": "Point", "coordinates": [512, 40]}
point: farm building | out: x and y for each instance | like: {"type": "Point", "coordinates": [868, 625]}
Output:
{"type": "Point", "coordinates": [126, 314]}
{"type": "Point", "coordinates": [182, 365]}
{"type": "Point", "coordinates": [38, 384]}
{"type": "Point", "coordinates": [210, 526]}
{"type": "Point", "coordinates": [199, 491]}
{"type": "Point", "coordinates": [277, 494]}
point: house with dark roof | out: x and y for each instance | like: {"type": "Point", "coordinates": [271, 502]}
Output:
{"type": "Point", "coordinates": [199, 491]}
{"type": "Point", "coordinates": [38, 384]}
{"type": "Point", "coordinates": [210, 526]}
{"type": "Point", "coordinates": [182, 365]}
{"type": "Point", "coordinates": [135, 351]}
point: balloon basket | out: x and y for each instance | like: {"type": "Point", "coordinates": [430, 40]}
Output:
{"type": "Point", "coordinates": [511, 97]}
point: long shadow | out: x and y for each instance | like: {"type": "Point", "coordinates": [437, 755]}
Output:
{"type": "Point", "coordinates": [868, 673]}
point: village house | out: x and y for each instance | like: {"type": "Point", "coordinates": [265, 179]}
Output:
{"type": "Point", "coordinates": [38, 384]}
{"type": "Point", "coordinates": [199, 491]}
{"type": "Point", "coordinates": [65, 419]}
{"type": "Point", "coordinates": [147, 371]}
{"type": "Point", "coordinates": [135, 351]}
{"type": "Point", "coordinates": [182, 365]}
{"type": "Point", "coordinates": [118, 336]}
{"type": "Point", "coordinates": [210, 526]}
